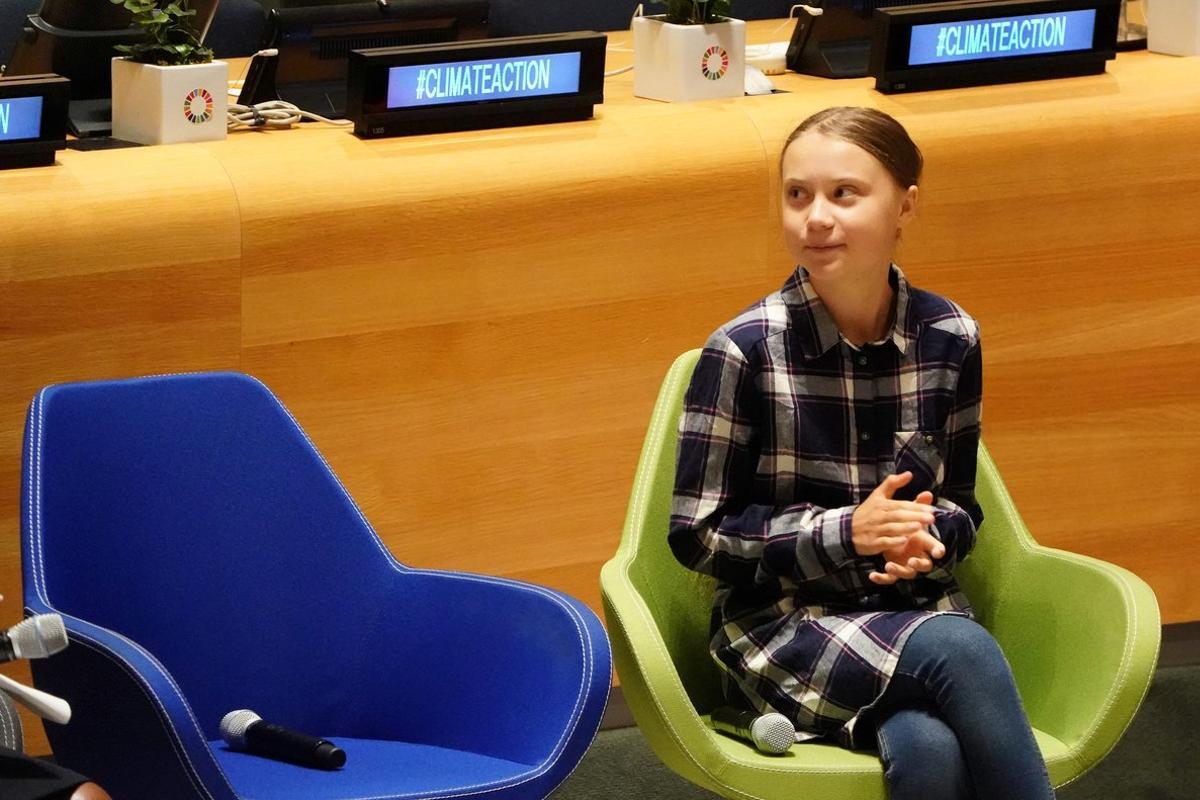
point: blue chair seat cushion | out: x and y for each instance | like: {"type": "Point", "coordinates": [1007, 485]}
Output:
{"type": "Point", "coordinates": [375, 770]}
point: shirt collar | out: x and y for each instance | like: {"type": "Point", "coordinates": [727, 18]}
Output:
{"type": "Point", "coordinates": [811, 316]}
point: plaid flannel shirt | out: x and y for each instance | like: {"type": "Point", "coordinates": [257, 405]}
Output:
{"type": "Point", "coordinates": [786, 428]}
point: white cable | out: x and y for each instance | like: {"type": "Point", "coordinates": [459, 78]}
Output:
{"type": "Point", "coordinates": [810, 10]}
{"type": "Point", "coordinates": [238, 82]}
{"type": "Point", "coordinates": [637, 12]}
{"type": "Point", "coordinates": [272, 114]}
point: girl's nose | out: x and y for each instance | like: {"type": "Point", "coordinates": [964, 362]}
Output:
{"type": "Point", "coordinates": [819, 215]}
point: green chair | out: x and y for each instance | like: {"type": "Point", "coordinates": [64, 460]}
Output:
{"type": "Point", "coordinates": [1081, 635]}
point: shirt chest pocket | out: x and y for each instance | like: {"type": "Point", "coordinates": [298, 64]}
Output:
{"type": "Point", "coordinates": [923, 454]}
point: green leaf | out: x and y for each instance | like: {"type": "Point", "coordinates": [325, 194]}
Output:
{"type": "Point", "coordinates": [695, 12]}
{"type": "Point", "coordinates": [168, 24]}
{"type": "Point", "coordinates": [175, 10]}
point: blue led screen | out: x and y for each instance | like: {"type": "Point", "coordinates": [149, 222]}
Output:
{"type": "Point", "coordinates": [1002, 37]}
{"type": "Point", "coordinates": [20, 118]}
{"type": "Point", "coordinates": [489, 79]}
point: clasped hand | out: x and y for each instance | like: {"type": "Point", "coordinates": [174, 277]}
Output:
{"type": "Point", "coordinates": [899, 529]}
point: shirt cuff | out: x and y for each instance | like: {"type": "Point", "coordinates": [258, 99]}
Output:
{"type": "Point", "coordinates": [835, 535]}
{"type": "Point", "coordinates": [947, 528]}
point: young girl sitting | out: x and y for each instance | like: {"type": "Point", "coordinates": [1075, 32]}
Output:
{"type": "Point", "coordinates": [825, 477]}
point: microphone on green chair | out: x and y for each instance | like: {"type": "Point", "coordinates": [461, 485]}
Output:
{"type": "Point", "coordinates": [771, 733]}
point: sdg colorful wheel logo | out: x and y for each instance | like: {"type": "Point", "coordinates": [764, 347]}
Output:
{"type": "Point", "coordinates": [714, 63]}
{"type": "Point", "coordinates": [198, 106]}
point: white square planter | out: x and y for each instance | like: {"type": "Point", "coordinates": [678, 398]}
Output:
{"type": "Point", "coordinates": [163, 105]}
{"type": "Point", "coordinates": [1173, 27]}
{"type": "Point", "coordinates": [688, 62]}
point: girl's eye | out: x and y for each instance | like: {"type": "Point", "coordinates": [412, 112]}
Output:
{"type": "Point", "coordinates": [795, 192]}
{"type": "Point", "coordinates": [845, 191]}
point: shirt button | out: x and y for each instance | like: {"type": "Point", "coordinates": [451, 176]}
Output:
{"type": "Point", "coordinates": [862, 361]}
{"type": "Point", "coordinates": [928, 439]}
{"type": "Point", "coordinates": [865, 436]}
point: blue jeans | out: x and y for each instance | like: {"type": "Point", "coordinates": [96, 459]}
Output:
{"type": "Point", "coordinates": [951, 723]}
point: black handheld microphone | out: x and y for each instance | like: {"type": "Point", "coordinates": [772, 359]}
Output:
{"type": "Point", "coordinates": [38, 636]}
{"type": "Point", "coordinates": [771, 733]}
{"type": "Point", "coordinates": [246, 731]}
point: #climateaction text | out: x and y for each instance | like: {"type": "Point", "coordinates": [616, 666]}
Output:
{"type": "Point", "coordinates": [997, 38]}
{"type": "Point", "coordinates": [457, 80]}
{"type": "Point", "coordinates": [491, 79]}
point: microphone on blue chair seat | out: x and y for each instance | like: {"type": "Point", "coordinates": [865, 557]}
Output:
{"type": "Point", "coordinates": [770, 733]}
{"type": "Point", "coordinates": [38, 636]}
{"type": "Point", "coordinates": [246, 731]}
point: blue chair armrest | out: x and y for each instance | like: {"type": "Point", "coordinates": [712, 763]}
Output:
{"type": "Point", "coordinates": [114, 684]}
{"type": "Point", "coordinates": [533, 662]}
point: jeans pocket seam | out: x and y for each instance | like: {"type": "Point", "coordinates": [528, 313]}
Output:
{"type": "Point", "coordinates": [884, 753]}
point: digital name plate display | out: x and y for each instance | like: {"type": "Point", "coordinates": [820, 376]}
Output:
{"type": "Point", "coordinates": [494, 79]}
{"type": "Point", "coordinates": [33, 119]}
{"type": "Point", "coordinates": [1011, 36]}
{"type": "Point", "coordinates": [476, 84]}
{"type": "Point", "coordinates": [942, 45]}
{"type": "Point", "coordinates": [20, 118]}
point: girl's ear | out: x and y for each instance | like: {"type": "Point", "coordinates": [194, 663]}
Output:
{"type": "Point", "coordinates": [908, 205]}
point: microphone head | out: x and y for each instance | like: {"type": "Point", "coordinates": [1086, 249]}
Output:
{"type": "Point", "coordinates": [234, 725]}
{"type": "Point", "coordinates": [38, 636]}
{"type": "Point", "coordinates": [773, 733]}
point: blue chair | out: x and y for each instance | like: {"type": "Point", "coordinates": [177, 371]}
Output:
{"type": "Point", "coordinates": [205, 558]}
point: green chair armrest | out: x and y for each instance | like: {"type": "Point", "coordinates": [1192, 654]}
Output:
{"type": "Point", "coordinates": [651, 685]}
{"type": "Point", "coordinates": [1082, 637]}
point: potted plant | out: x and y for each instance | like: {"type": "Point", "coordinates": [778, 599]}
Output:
{"type": "Point", "coordinates": [167, 88]}
{"type": "Point", "coordinates": [692, 52]}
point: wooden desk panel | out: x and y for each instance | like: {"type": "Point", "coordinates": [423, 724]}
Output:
{"type": "Point", "coordinates": [395, 233]}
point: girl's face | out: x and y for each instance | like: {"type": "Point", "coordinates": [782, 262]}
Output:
{"type": "Point", "coordinates": [842, 210]}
